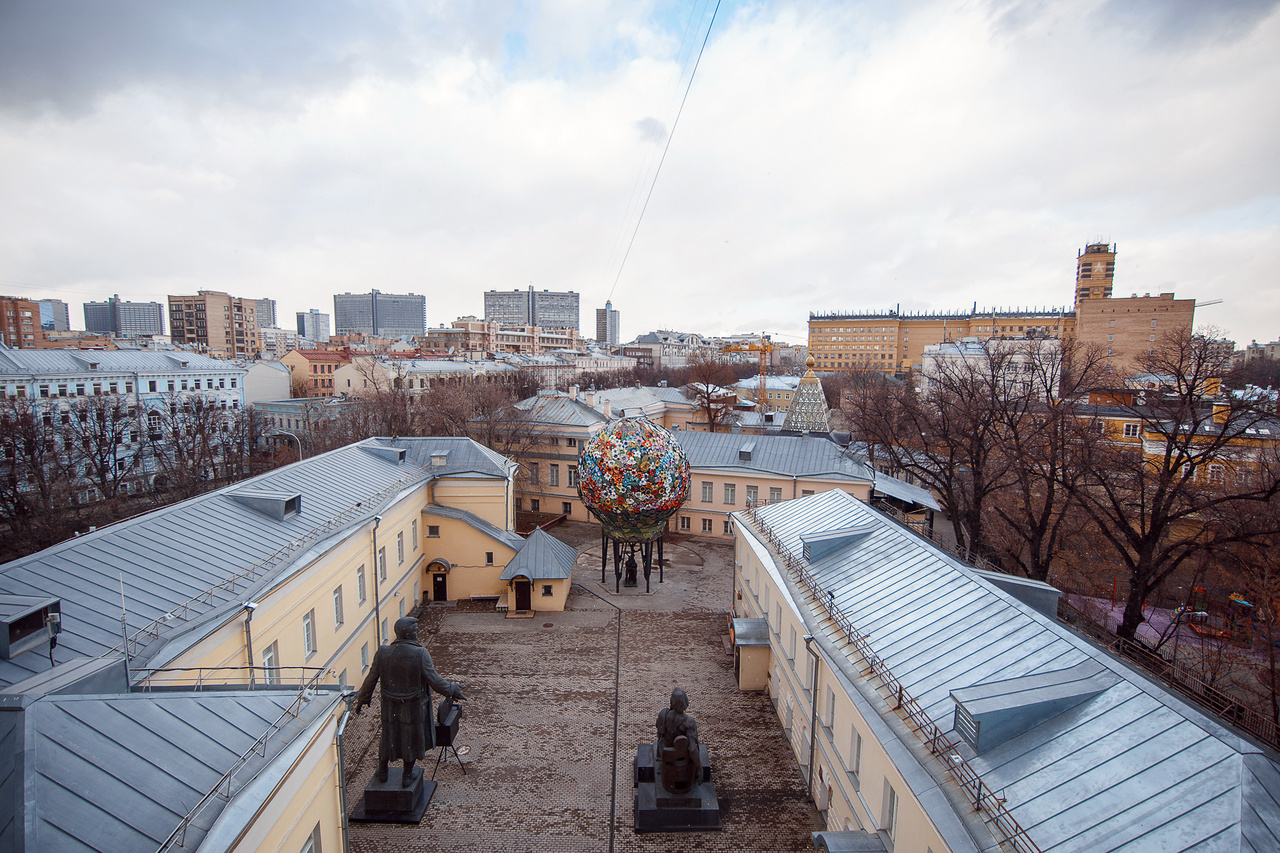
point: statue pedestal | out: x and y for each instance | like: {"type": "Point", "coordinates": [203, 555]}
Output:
{"type": "Point", "coordinates": [659, 810]}
{"type": "Point", "coordinates": [389, 802]}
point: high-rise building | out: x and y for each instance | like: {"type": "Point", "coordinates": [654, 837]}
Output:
{"type": "Point", "coordinates": [266, 313]}
{"type": "Point", "coordinates": [21, 329]}
{"type": "Point", "coordinates": [1095, 271]}
{"type": "Point", "coordinates": [607, 325]}
{"type": "Point", "coordinates": [54, 315]}
{"type": "Point", "coordinates": [128, 319]}
{"type": "Point", "coordinates": [384, 315]}
{"type": "Point", "coordinates": [545, 308]}
{"type": "Point", "coordinates": [313, 325]}
{"type": "Point", "coordinates": [225, 326]}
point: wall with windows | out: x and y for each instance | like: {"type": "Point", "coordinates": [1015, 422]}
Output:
{"type": "Point", "coordinates": [475, 559]}
{"type": "Point", "coordinates": [856, 784]}
{"type": "Point", "coordinates": [714, 494]}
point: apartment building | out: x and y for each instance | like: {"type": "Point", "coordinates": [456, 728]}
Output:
{"type": "Point", "coordinates": [380, 315]}
{"type": "Point", "coordinates": [221, 325]}
{"type": "Point", "coordinates": [472, 335]}
{"type": "Point", "coordinates": [314, 369]}
{"type": "Point", "coordinates": [313, 325]}
{"type": "Point", "coordinates": [22, 328]}
{"type": "Point", "coordinates": [544, 308]}
{"type": "Point", "coordinates": [932, 706]}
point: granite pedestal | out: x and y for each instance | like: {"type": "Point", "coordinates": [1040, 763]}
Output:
{"type": "Point", "coordinates": [390, 802]}
{"type": "Point", "coordinates": [660, 810]}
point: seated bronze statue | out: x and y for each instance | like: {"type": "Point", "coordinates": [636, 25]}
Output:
{"type": "Point", "coordinates": [676, 749]}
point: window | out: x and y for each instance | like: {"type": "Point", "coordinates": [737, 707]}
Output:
{"type": "Point", "coordinates": [533, 472]}
{"type": "Point", "coordinates": [433, 531]}
{"type": "Point", "coordinates": [401, 608]}
{"type": "Point", "coordinates": [573, 476]}
{"type": "Point", "coordinates": [413, 531]}
{"type": "Point", "coordinates": [706, 525]}
{"type": "Point", "coordinates": [488, 558]}
{"type": "Point", "coordinates": [775, 494]}
{"type": "Point", "coordinates": [535, 505]}
{"type": "Point", "coordinates": [684, 522]}
{"type": "Point", "coordinates": [337, 608]}
{"type": "Point", "coordinates": [753, 495]}
{"type": "Point", "coordinates": [553, 475]}
{"type": "Point", "coordinates": [364, 657]}
{"type": "Point", "coordinates": [855, 751]}
{"type": "Point", "coordinates": [386, 635]}
{"type": "Point", "coordinates": [728, 527]}
{"type": "Point", "coordinates": [1131, 430]}
{"type": "Point", "coordinates": [571, 442]}
{"type": "Point", "coordinates": [777, 618]}
{"type": "Point", "coordinates": [730, 494]}
{"type": "Point", "coordinates": [889, 818]}
{"type": "Point", "coordinates": [804, 493]}
{"type": "Point", "coordinates": [360, 584]}
{"type": "Point", "coordinates": [546, 590]}
{"type": "Point", "coordinates": [400, 547]}
{"type": "Point", "coordinates": [707, 489]}
{"type": "Point", "coordinates": [309, 632]}
{"type": "Point", "coordinates": [270, 664]}
{"type": "Point", "coordinates": [830, 716]}
{"type": "Point", "coordinates": [791, 642]}
{"type": "Point", "coordinates": [566, 508]}
{"type": "Point", "coordinates": [382, 564]}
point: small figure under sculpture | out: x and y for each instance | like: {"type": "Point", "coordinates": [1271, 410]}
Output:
{"type": "Point", "coordinates": [677, 746]}
{"type": "Point", "coordinates": [408, 677]}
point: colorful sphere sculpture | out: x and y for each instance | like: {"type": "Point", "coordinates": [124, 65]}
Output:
{"type": "Point", "coordinates": [633, 475]}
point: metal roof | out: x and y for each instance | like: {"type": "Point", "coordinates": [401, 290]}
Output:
{"type": "Point", "coordinates": [117, 773]}
{"type": "Point", "coordinates": [896, 488]}
{"type": "Point", "coordinates": [514, 541]}
{"type": "Point", "coordinates": [1131, 769]}
{"type": "Point", "coordinates": [177, 563]}
{"type": "Point", "coordinates": [542, 558]}
{"type": "Point", "coordinates": [559, 409]}
{"type": "Point", "coordinates": [52, 362]}
{"type": "Point", "coordinates": [785, 455]}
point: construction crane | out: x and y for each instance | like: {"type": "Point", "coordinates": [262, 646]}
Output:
{"type": "Point", "coordinates": [764, 348]}
{"type": "Point", "coordinates": [1210, 302]}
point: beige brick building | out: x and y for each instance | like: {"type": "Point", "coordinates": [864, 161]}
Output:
{"type": "Point", "coordinates": [226, 326]}
{"type": "Point", "coordinates": [1130, 327]}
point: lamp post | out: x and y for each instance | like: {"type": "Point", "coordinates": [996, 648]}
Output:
{"type": "Point", "coordinates": [280, 432]}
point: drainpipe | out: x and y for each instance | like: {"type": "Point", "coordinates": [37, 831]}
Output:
{"type": "Point", "coordinates": [813, 719]}
{"type": "Point", "coordinates": [377, 610]}
{"type": "Point", "coordinates": [347, 696]}
{"type": "Point", "coordinates": [249, 607]}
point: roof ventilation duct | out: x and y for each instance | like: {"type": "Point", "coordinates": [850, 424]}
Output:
{"type": "Point", "coordinates": [274, 505]}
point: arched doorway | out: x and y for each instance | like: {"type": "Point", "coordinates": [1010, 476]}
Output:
{"type": "Point", "coordinates": [438, 571]}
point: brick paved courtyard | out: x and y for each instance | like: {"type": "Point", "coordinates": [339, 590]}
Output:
{"type": "Point", "coordinates": [545, 770]}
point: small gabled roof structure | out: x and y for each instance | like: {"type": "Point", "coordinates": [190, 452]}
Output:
{"type": "Point", "coordinates": [543, 558]}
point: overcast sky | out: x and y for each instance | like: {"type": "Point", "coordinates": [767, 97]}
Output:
{"type": "Point", "coordinates": [830, 156]}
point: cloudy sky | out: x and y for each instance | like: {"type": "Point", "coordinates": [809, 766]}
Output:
{"type": "Point", "coordinates": [830, 156]}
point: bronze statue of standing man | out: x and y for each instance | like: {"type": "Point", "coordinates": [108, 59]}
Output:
{"type": "Point", "coordinates": [408, 677]}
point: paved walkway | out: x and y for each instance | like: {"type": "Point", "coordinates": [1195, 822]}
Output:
{"type": "Point", "coordinates": [558, 703]}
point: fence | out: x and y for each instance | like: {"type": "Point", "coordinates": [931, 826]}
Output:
{"type": "Point", "coordinates": [977, 791]}
{"type": "Point", "coordinates": [223, 787]}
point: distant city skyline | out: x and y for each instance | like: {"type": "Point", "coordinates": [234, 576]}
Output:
{"type": "Point", "coordinates": [829, 157]}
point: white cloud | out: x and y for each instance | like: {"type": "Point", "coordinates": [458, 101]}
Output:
{"type": "Point", "coordinates": [829, 157]}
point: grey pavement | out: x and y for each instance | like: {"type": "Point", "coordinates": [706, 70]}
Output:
{"type": "Point", "coordinates": [557, 705]}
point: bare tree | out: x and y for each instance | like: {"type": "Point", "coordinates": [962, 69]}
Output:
{"type": "Point", "coordinates": [707, 386]}
{"type": "Point", "coordinates": [1173, 495]}
{"type": "Point", "coordinates": [184, 435]}
{"type": "Point", "coordinates": [39, 504]}
{"type": "Point", "coordinates": [102, 437]}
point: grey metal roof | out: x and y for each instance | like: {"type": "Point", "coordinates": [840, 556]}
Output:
{"type": "Point", "coordinates": [559, 409]}
{"type": "Point", "coordinates": [784, 455]}
{"type": "Point", "coordinates": [172, 555]}
{"type": "Point", "coordinates": [506, 537]}
{"type": "Point", "coordinates": [543, 558]}
{"type": "Point", "coordinates": [118, 773]}
{"type": "Point", "coordinates": [51, 362]}
{"type": "Point", "coordinates": [1133, 768]}
{"type": "Point", "coordinates": [896, 488]}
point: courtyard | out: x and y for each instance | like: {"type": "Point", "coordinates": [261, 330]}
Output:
{"type": "Point", "coordinates": [558, 703]}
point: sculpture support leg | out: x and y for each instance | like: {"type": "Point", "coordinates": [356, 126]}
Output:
{"type": "Point", "coordinates": [604, 554]}
{"type": "Point", "coordinates": [648, 562]}
{"type": "Point", "coordinates": [660, 561]}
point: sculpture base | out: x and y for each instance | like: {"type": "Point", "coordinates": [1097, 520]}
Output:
{"type": "Point", "coordinates": [660, 810]}
{"type": "Point", "coordinates": [389, 802]}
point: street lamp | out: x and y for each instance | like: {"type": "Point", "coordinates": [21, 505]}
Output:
{"type": "Point", "coordinates": [281, 432]}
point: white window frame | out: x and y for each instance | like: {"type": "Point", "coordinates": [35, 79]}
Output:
{"type": "Point", "coordinates": [337, 607]}
{"type": "Point", "coordinates": [309, 644]}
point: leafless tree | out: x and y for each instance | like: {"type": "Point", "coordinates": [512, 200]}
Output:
{"type": "Point", "coordinates": [1172, 496]}
{"type": "Point", "coordinates": [185, 436]}
{"type": "Point", "coordinates": [102, 436]}
{"type": "Point", "coordinates": [39, 505]}
{"type": "Point", "coordinates": [708, 386]}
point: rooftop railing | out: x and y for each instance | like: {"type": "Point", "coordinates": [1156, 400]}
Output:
{"type": "Point", "coordinates": [979, 794]}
